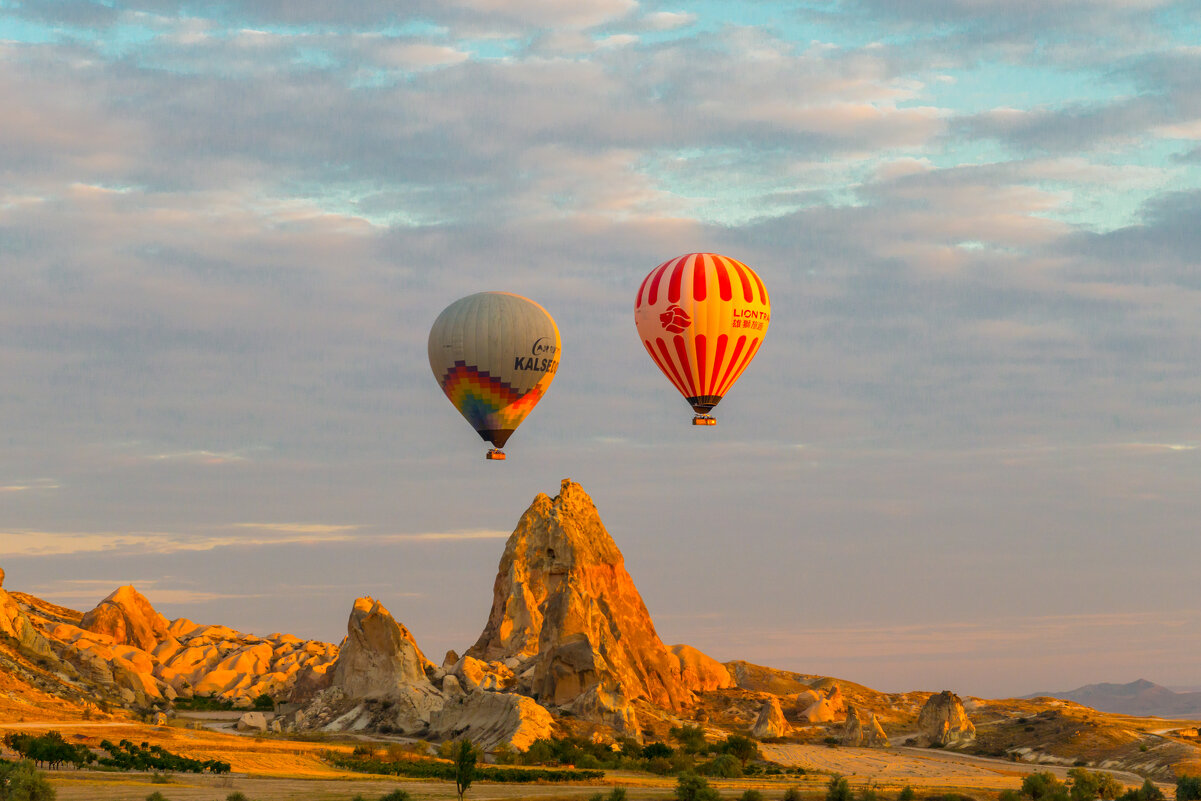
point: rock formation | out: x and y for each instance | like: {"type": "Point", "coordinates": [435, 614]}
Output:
{"type": "Point", "coordinates": [127, 618]}
{"type": "Point", "coordinates": [489, 719]}
{"type": "Point", "coordinates": [568, 620]}
{"type": "Point", "coordinates": [379, 655]}
{"type": "Point", "coordinates": [700, 672]}
{"type": "Point", "coordinates": [943, 721]}
{"type": "Point", "coordinates": [771, 722]}
{"type": "Point", "coordinates": [829, 707]}
{"type": "Point", "coordinates": [132, 652]}
{"type": "Point", "coordinates": [863, 729]}
{"type": "Point", "coordinates": [382, 682]}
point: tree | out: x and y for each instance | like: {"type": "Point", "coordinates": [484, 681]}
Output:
{"type": "Point", "coordinates": [465, 757]}
{"type": "Point", "coordinates": [691, 738]}
{"type": "Point", "coordinates": [839, 789]}
{"type": "Point", "coordinates": [1188, 788]}
{"type": "Point", "coordinates": [21, 781]}
{"type": "Point", "coordinates": [690, 787]}
{"type": "Point", "coordinates": [1044, 786]}
{"type": "Point", "coordinates": [743, 748]}
{"type": "Point", "coordinates": [657, 749]}
{"type": "Point", "coordinates": [906, 794]}
{"type": "Point", "coordinates": [724, 766]}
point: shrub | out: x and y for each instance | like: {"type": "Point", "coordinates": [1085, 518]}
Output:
{"type": "Point", "coordinates": [743, 748]}
{"type": "Point", "coordinates": [792, 794]}
{"type": "Point", "coordinates": [690, 787]}
{"type": "Point", "coordinates": [1044, 785]}
{"type": "Point", "coordinates": [396, 795]}
{"type": "Point", "coordinates": [159, 778]}
{"type": "Point", "coordinates": [691, 738]}
{"type": "Point", "coordinates": [656, 749]}
{"type": "Point", "coordinates": [725, 766]}
{"type": "Point", "coordinates": [659, 765]}
{"type": "Point", "coordinates": [21, 781]}
{"type": "Point", "coordinates": [156, 796]}
{"type": "Point", "coordinates": [1188, 788]}
{"type": "Point", "coordinates": [906, 794]}
{"type": "Point", "coordinates": [751, 795]}
{"type": "Point", "coordinates": [237, 795]}
{"type": "Point", "coordinates": [839, 789]}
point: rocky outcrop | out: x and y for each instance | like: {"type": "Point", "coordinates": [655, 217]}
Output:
{"type": "Point", "coordinates": [700, 672]}
{"type": "Point", "coordinates": [252, 721]}
{"type": "Point", "coordinates": [568, 619]}
{"type": "Point", "coordinates": [16, 624]}
{"type": "Point", "coordinates": [127, 618]}
{"type": "Point", "coordinates": [943, 721]}
{"type": "Point", "coordinates": [829, 707]}
{"type": "Point", "coordinates": [771, 721]}
{"type": "Point", "coordinates": [382, 682]}
{"type": "Point", "coordinates": [863, 729]}
{"type": "Point", "coordinates": [379, 657]}
{"type": "Point", "coordinates": [489, 719]}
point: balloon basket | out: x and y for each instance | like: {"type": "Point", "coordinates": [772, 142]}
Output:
{"type": "Point", "coordinates": [495, 455]}
{"type": "Point", "coordinates": [704, 420]}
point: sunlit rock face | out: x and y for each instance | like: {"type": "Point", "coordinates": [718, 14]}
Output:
{"type": "Point", "coordinates": [379, 655]}
{"type": "Point", "coordinates": [862, 728]}
{"type": "Point", "coordinates": [944, 721]}
{"type": "Point", "coordinates": [382, 682]}
{"type": "Point", "coordinates": [130, 650]}
{"type": "Point", "coordinates": [771, 721]}
{"type": "Point", "coordinates": [127, 618]}
{"type": "Point", "coordinates": [829, 707]}
{"type": "Point", "coordinates": [568, 620]}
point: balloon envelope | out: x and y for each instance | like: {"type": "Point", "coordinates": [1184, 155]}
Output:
{"type": "Point", "coordinates": [702, 318]}
{"type": "Point", "coordinates": [494, 354]}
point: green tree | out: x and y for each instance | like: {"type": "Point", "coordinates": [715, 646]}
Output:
{"type": "Point", "coordinates": [21, 781]}
{"type": "Point", "coordinates": [725, 766]}
{"type": "Point", "coordinates": [691, 738]}
{"type": "Point", "coordinates": [465, 757]}
{"type": "Point", "coordinates": [657, 749]}
{"type": "Point", "coordinates": [906, 794]}
{"type": "Point", "coordinates": [743, 748]}
{"type": "Point", "coordinates": [1044, 786]}
{"type": "Point", "coordinates": [839, 789]}
{"type": "Point", "coordinates": [1188, 788]}
{"type": "Point", "coordinates": [690, 787]}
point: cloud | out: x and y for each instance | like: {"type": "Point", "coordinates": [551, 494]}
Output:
{"type": "Point", "coordinates": [668, 20]}
{"type": "Point", "coordinates": [36, 484]}
{"type": "Point", "coordinates": [59, 543]}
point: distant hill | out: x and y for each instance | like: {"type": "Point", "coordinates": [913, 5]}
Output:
{"type": "Point", "coordinates": [1140, 697]}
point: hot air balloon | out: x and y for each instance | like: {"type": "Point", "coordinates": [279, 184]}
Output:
{"type": "Point", "coordinates": [494, 354]}
{"type": "Point", "coordinates": [702, 317]}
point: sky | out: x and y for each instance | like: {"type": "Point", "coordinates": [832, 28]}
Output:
{"type": "Point", "coordinates": [966, 456]}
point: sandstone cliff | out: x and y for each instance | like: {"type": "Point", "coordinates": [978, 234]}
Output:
{"type": "Point", "coordinates": [568, 620]}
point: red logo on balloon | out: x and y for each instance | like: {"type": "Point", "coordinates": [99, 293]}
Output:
{"type": "Point", "coordinates": [675, 319]}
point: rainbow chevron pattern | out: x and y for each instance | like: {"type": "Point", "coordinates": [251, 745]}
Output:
{"type": "Point", "coordinates": [487, 402]}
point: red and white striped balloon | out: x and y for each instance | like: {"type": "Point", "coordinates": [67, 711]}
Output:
{"type": "Point", "coordinates": [702, 318]}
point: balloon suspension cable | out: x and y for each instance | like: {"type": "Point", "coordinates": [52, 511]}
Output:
{"type": "Point", "coordinates": [703, 420]}
{"type": "Point", "coordinates": [495, 454]}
